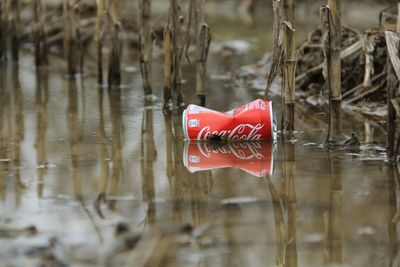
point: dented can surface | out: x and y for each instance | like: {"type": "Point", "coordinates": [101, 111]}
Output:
{"type": "Point", "coordinates": [252, 121]}
{"type": "Point", "coordinates": [255, 157]}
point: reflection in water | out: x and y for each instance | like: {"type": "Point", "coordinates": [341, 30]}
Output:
{"type": "Point", "coordinates": [333, 219]}
{"type": "Point", "coordinates": [289, 177]}
{"type": "Point", "coordinates": [255, 158]}
{"type": "Point", "coordinates": [74, 136]}
{"type": "Point", "coordinates": [117, 170]}
{"type": "Point", "coordinates": [148, 155]}
{"type": "Point", "coordinates": [19, 132]}
{"type": "Point", "coordinates": [5, 131]}
{"type": "Point", "coordinates": [41, 105]}
{"type": "Point", "coordinates": [394, 214]}
{"type": "Point", "coordinates": [104, 156]}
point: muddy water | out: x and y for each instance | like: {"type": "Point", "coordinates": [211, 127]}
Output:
{"type": "Point", "coordinates": [76, 160]}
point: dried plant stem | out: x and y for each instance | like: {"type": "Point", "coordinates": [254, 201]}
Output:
{"type": "Point", "coordinates": [15, 28]}
{"type": "Point", "coordinates": [114, 66]}
{"type": "Point", "coordinates": [4, 9]}
{"type": "Point", "coordinates": [72, 37]}
{"type": "Point", "coordinates": [99, 38]}
{"type": "Point", "coordinates": [173, 46]}
{"type": "Point", "coordinates": [40, 37]}
{"type": "Point", "coordinates": [167, 65]}
{"type": "Point", "coordinates": [203, 39]}
{"type": "Point", "coordinates": [393, 69]}
{"type": "Point", "coordinates": [332, 21]}
{"type": "Point", "coordinates": [114, 63]}
{"type": "Point", "coordinates": [289, 64]}
{"type": "Point", "coordinates": [145, 43]}
{"type": "Point", "coordinates": [277, 45]}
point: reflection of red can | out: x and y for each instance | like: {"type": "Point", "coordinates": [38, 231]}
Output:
{"type": "Point", "coordinates": [253, 121]}
{"type": "Point", "coordinates": [255, 158]}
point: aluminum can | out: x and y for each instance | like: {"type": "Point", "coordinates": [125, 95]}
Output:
{"type": "Point", "coordinates": [256, 158]}
{"type": "Point", "coordinates": [252, 121]}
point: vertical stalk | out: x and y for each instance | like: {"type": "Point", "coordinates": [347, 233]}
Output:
{"type": "Point", "coordinates": [203, 39]}
{"type": "Point", "coordinates": [145, 43]}
{"type": "Point", "coordinates": [40, 36]}
{"type": "Point", "coordinates": [114, 63]}
{"type": "Point", "coordinates": [167, 64]}
{"type": "Point", "coordinates": [3, 29]}
{"type": "Point", "coordinates": [99, 38]}
{"type": "Point", "coordinates": [173, 47]}
{"type": "Point", "coordinates": [15, 28]}
{"type": "Point", "coordinates": [333, 68]}
{"type": "Point", "coordinates": [391, 114]}
{"type": "Point", "coordinates": [71, 41]}
{"type": "Point", "coordinates": [289, 64]}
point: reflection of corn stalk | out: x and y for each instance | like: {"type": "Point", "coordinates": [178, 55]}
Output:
{"type": "Point", "coordinates": [19, 133]}
{"type": "Point", "coordinates": [279, 223]}
{"type": "Point", "coordinates": [148, 154]}
{"type": "Point", "coordinates": [42, 97]}
{"type": "Point", "coordinates": [104, 155]}
{"type": "Point", "coordinates": [333, 220]}
{"type": "Point", "coordinates": [40, 36]}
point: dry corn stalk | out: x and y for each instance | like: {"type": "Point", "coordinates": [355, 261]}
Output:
{"type": "Point", "coordinates": [40, 36]}
{"type": "Point", "coordinates": [289, 68]}
{"type": "Point", "coordinates": [173, 46]}
{"type": "Point", "coordinates": [145, 43]}
{"type": "Point", "coordinates": [203, 39]}
{"type": "Point", "coordinates": [15, 28]}
{"type": "Point", "coordinates": [331, 16]}
{"type": "Point", "coordinates": [3, 29]}
{"type": "Point", "coordinates": [114, 63]}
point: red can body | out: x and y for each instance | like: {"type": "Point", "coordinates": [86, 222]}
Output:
{"type": "Point", "coordinates": [252, 121]}
{"type": "Point", "coordinates": [255, 158]}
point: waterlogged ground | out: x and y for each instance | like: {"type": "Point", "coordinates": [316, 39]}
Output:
{"type": "Point", "coordinates": [79, 165]}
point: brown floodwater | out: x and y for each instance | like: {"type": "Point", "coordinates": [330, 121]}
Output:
{"type": "Point", "coordinates": [76, 160]}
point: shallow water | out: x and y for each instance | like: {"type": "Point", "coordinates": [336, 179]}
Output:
{"type": "Point", "coordinates": [76, 160]}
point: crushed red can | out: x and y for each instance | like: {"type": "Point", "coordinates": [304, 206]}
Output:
{"type": "Point", "coordinates": [252, 121]}
{"type": "Point", "coordinates": [255, 157]}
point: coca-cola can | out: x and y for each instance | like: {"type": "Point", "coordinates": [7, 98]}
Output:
{"type": "Point", "coordinates": [252, 121]}
{"type": "Point", "coordinates": [256, 158]}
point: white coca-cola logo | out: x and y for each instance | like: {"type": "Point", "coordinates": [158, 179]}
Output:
{"type": "Point", "coordinates": [237, 133]}
{"type": "Point", "coordinates": [237, 149]}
